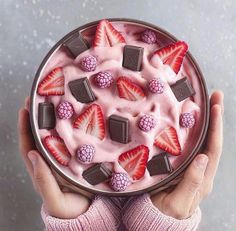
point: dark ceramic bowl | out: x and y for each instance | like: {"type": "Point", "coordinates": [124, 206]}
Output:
{"type": "Point", "coordinates": [173, 178]}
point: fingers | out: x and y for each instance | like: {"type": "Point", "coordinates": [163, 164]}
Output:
{"type": "Point", "coordinates": [214, 143]}
{"type": "Point", "coordinates": [183, 195]}
{"type": "Point", "coordinates": [27, 103]}
{"type": "Point", "coordinates": [213, 148]}
{"type": "Point", "coordinates": [26, 140]}
{"type": "Point", "coordinates": [215, 130]}
{"type": "Point", "coordinates": [24, 130]}
{"type": "Point", "coordinates": [46, 183]}
{"type": "Point", "coordinates": [217, 98]}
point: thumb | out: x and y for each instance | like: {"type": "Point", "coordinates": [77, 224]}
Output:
{"type": "Point", "coordinates": [186, 190]}
{"type": "Point", "coordinates": [45, 182]}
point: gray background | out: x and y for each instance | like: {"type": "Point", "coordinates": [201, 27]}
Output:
{"type": "Point", "coordinates": [28, 28]}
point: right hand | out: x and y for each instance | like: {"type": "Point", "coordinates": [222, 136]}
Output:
{"type": "Point", "coordinates": [64, 205]}
{"type": "Point", "coordinates": [182, 201]}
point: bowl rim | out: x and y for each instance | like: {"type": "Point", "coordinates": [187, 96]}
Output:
{"type": "Point", "coordinates": [166, 182]}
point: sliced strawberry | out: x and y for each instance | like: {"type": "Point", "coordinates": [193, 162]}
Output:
{"type": "Point", "coordinates": [106, 35]}
{"type": "Point", "coordinates": [173, 55]}
{"type": "Point", "coordinates": [168, 141]}
{"type": "Point", "coordinates": [134, 161]}
{"type": "Point", "coordinates": [58, 149]}
{"type": "Point", "coordinates": [91, 121]}
{"type": "Point", "coordinates": [53, 83]}
{"type": "Point", "coordinates": [129, 90]}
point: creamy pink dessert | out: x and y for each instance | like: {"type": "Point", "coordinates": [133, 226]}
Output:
{"type": "Point", "coordinates": [123, 114]}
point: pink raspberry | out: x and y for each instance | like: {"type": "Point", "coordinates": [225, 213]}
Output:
{"type": "Point", "coordinates": [149, 36]}
{"type": "Point", "coordinates": [103, 79]}
{"type": "Point", "coordinates": [86, 153]}
{"type": "Point", "coordinates": [147, 122]}
{"type": "Point", "coordinates": [65, 110]}
{"type": "Point", "coordinates": [119, 181]}
{"type": "Point", "coordinates": [88, 63]}
{"type": "Point", "coordinates": [156, 86]}
{"type": "Point", "coordinates": [187, 120]}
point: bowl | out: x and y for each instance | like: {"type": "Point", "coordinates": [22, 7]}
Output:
{"type": "Point", "coordinates": [71, 183]}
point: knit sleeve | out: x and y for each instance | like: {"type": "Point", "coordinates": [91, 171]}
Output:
{"type": "Point", "coordinates": [101, 215]}
{"type": "Point", "coordinates": [140, 214]}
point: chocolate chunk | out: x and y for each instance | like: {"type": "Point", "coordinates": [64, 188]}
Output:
{"type": "Point", "coordinates": [159, 164]}
{"type": "Point", "coordinates": [119, 129]}
{"type": "Point", "coordinates": [77, 44]}
{"type": "Point", "coordinates": [96, 174]}
{"type": "Point", "coordinates": [132, 57]}
{"type": "Point", "coordinates": [182, 89]}
{"type": "Point", "coordinates": [81, 90]}
{"type": "Point", "coordinates": [46, 116]}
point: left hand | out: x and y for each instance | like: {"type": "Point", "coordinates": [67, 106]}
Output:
{"type": "Point", "coordinates": [64, 205]}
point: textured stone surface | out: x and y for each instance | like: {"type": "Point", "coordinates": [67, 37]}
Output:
{"type": "Point", "coordinates": [30, 27]}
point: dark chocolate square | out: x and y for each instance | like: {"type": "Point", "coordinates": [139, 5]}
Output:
{"type": "Point", "coordinates": [96, 174]}
{"type": "Point", "coordinates": [76, 44]}
{"type": "Point", "coordinates": [182, 89]}
{"type": "Point", "coordinates": [46, 116]}
{"type": "Point", "coordinates": [82, 90]}
{"type": "Point", "coordinates": [159, 164]}
{"type": "Point", "coordinates": [132, 57]}
{"type": "Point", "coordinates": [119, 129]}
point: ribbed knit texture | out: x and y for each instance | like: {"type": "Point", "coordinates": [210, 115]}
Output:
{"type": "Point", "coordinates": [102, 215]}
{"type": "Point", "coordinates": [139, 213]}
{"type": "Point", "coordinates": [134, 214]}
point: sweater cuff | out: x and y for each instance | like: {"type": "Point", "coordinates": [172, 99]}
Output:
{"type": "Point", "coordinates": [140, 214]}
{"type": "Point", "coordinates": [101, 215]}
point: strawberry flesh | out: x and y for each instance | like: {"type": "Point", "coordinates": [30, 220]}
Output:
{"type": "Point", "coordinates": [129, 90]}
{"type": "Point", "coordinates": [168, 141]}
{"type": "Point", "coordinates": [52, 84]}
{"type": "Point", "coordinates": [173, 55]}
{"type": "Point", "coordinates": [106, 35]}
{"type": "Point", "coordinates": [134, 161]}
{"type": "Point", "coordinates": [58, 149]}
{"type": "Point", "coordinates": [91, 121]}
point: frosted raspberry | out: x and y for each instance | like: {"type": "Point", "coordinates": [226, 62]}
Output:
{"type": "Point", "coordinates": [119, 181]}
{"type": "Point", "coordinates": [86, 153]}
{"type": "Point", "coordinates": [156, 86]}
{"type": "Point", "coordinates": [65, 110]}
{"type": "Point", "coordinates": [187, 120]}
{"type": "Point", "coordinates": [149, 36]}
{"type": "Point", "coordinates": [103, 79]}
{"type": "Point", "coordinates": [88, 63]}
{"type": "Point", "coordinates": [147, 122]}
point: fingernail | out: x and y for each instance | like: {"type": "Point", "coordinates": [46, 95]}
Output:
{"type": "Point", "coordinates": [32, 158]}
{"type": "Point", "coordinates": [201, 161]}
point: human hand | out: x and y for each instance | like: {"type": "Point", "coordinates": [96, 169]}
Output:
{"type": "Point", "coordinates": [197, 181]}
{"type": "Point", "coordinates": [64, 205]}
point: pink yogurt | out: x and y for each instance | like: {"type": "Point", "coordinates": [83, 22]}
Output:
{"type": "Point", "coordinates": [164, 107]}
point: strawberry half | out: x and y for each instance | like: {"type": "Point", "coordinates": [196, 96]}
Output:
{"type": "Point", "coordinates": [134, 161]}
{"type": "Point", "coordinates": [91, 121]}
{"type": "Point", "coordinates": [106, 35]}
{"type": "Point", "coordinates": [129, 90]}
{"type": "Point", "coordinates": [168, 141]}
{"type": "Point", "coordinates": [52, 84]}
{"type": "Point", "coordinates": [58, 149]}
{"type": "Point", "coordinates": [173, 55]}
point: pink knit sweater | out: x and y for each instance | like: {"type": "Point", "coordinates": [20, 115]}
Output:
{"type": "Point", "coordinates": [137, 213]}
